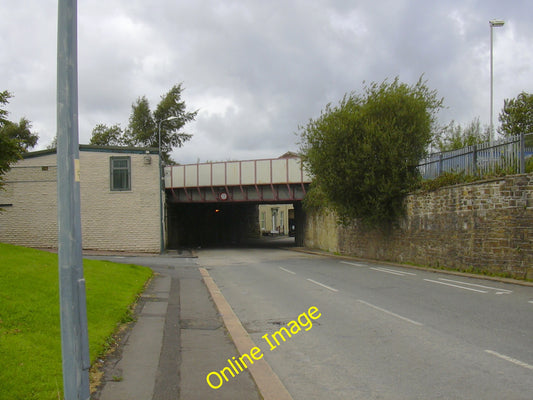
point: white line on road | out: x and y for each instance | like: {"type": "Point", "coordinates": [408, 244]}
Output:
{"type": "Point", "coordinates": [388, 272]}
{"type": "Point", "coordinates": [321, 284]}
{"type": "Point", "coordinates": [457, 286]}
{"type": "Point", "coordinates": [390, 313]}
{"type": "Point", "coordinates": [392, 271]}
{"type": "Point", "coordinates": [473, 284]}
{"type": "Point", "coordinates": [286, 270]}
{"type": "Point", "coordinates": [395, 270]}
{"type": "Point", "coordinates": [354, 264]}
{"type": "Point", "coordinates": [510, 359]}
{"type": "Point", "coordinates": [530, 301]}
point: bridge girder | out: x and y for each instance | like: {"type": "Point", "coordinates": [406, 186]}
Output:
{"type": "Point", "coordinates": [285, 193]}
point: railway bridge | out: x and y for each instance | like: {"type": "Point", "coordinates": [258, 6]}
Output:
{"type": "Point", "coordinates": [217, 203]}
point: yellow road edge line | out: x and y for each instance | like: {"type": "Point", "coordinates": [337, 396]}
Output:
{"type": "Point", "coordinates": [268, 383]}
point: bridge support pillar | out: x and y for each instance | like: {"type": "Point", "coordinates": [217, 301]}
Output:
{"type": "Point", "coordinates": [299, 216]}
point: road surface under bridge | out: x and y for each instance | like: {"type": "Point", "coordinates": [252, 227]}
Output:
{"type": "Point", "coordinates": [217, 203]}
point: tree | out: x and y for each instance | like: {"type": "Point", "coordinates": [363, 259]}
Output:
{"type": "Point", "coordinates": [516, 116]}
{"type": "Point", "coordinates": [21, 133]}
{"type": "Point", "coordinates": [4, 99]}
{"type": "Point", "coordinates": [15, 139]}
{"type": "Point", "coordinates": [143, 127]}
{"type": "Point", "coordinates": [9, 154]}
{"type": "Point", "coordinates": [455, 137]}
{"type": "Point", "coordinates": [363, 153]}
{"type": "Point", "coordinates": [103, 135]}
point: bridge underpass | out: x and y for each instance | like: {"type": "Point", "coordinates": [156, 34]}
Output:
{"type": "Point", "coordinates": [217, 203]}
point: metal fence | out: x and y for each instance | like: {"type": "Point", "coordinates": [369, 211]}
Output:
{"type": "Point", "coordinates": [507, 155]}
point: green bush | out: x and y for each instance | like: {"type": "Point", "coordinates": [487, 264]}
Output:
{"type": "Point", "coordinates": [363, 152]}
{"type": "Point", "coordinates": [529, 165]}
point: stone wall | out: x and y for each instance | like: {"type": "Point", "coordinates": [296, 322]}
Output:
{"type": "Point", "coordinates": [485, 226]}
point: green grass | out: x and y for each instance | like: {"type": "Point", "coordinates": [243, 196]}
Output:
{"type": "Point", "coordinates": [30, 343]}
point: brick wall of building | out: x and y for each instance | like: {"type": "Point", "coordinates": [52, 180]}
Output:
{"type": "Point", "coordinates": [485, 226]}
{"type": "Point", "coordinates": [111, 220]}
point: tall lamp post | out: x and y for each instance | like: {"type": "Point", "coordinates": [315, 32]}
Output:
{"type": "Point", "coordinates": [161, 186]}
{"type": "Point", "coordinates": [74, 333]}
{"type": "Point", "coordinates": [493, 23]}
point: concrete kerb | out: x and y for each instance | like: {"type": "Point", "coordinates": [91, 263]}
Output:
{"type": "Point", "coordinates": [420, 268]}
{"type": "Point", "coordinates": [268, 383]}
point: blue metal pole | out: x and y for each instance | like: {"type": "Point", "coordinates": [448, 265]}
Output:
{"type": "Point", "coordinates": [74, 338]}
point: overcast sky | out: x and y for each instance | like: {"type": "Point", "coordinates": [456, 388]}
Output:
{"type": "Point", "coordinates": [258, 69]}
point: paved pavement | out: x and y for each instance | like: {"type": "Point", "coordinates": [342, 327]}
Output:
{"type": "Point", "coordinates": [172, 345]}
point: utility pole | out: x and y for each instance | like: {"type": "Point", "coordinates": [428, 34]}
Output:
{"type": "Point", "coordinates": [74, 336]}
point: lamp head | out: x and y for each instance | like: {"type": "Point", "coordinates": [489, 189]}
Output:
{"type": "Point", "coordinates": [496, 23]}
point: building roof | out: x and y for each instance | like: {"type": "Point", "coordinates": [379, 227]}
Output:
{"type": "Point", "coordinates": [94, 148]}
{"type": "Point", "coordinates": [290, 154]}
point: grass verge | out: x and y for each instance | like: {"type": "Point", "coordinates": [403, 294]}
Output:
{"type": "Point", "coordinates": [30, 342]}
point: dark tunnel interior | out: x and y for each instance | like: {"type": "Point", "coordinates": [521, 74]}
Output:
{"type": "Point", "coordinates": [193, 225]}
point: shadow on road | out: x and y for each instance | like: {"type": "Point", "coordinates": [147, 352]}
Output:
{"type": "Point", "coordinates": [264, 242]}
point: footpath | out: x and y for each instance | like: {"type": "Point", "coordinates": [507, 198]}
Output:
{"type": "Point", "coordinates": [176, 341]}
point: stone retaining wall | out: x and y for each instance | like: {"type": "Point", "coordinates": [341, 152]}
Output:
{"type": "Point", "coordinates": [485, 226]}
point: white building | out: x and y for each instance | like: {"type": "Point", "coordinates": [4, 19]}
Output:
{"type": "Point", "coordinates": [119, 189]}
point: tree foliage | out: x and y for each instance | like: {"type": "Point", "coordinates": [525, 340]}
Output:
{"type": "Point", "coordinates": [454, 136]}
{"type": "Point", "coordinates": [143, 127]}
{"type": "Point", "coordinates": [4, 99]}
{"type": "Point", "coordinates": [516, 116]}
{"type": "Point", "coordinates": [107, 136]}
{"type": "Point", "coordinates": [364, 151]}
{"type": "Point", "coordinates": [15, 138]}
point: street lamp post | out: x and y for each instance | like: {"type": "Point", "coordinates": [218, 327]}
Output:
{"type": "Point", "coordinates": [73, 307]}
{"type": "Point", "coordinates": [161, 187]}
{"type": "Point", "coordinates": [493, 23]}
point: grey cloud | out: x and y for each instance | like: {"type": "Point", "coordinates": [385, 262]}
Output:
{"type": "Point", "coordinates": [255, 69]}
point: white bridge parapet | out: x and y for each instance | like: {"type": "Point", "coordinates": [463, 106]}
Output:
{"type": "Point", "coordinates": [276, 179]}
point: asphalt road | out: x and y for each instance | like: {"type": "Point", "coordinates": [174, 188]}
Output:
{"type": "Point", "coordinates": [384, 332]}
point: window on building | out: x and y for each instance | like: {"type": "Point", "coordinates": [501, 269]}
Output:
{"type": "Point", "coordinates": [120, 173]}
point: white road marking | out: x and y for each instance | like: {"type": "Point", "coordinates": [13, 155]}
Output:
{"type": "Point", "coordinates": [286, 270]}
{"type": "Point", "coordinates": [510, 359]}
{"type": "Point", "coordinates": [457, 286]}
{"type": "Point", "coordinates": [530, 301]}
{"type": "Point", "coordinates": [500, 291]}
{"type": "Point", "coordinates": [388, 272]}
{"type": "Point", "coordinates": [395, 270]}
{"type": "Point", "coordinates": [390, 313]}
{"type": "Point", "coordinates": [321, 284]}
{"type": "Point", "coordinates": [354, 264]}
{"type": "Point", "coordinates": [392, 271]}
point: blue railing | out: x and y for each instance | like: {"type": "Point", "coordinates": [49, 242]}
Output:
{"type": "Point", "coordinates": [505, 155]}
